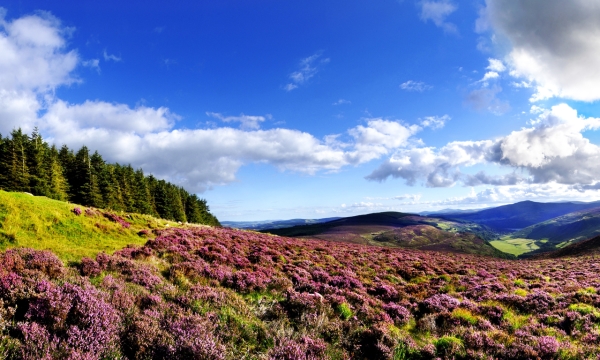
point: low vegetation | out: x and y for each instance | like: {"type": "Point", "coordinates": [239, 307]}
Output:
{"type": "Point", "coordinates": [70, 231]}
{"type": "Point", "coordinates": [216, 293]}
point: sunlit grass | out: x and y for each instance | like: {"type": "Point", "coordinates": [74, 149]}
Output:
{"type": "Point", "coordinates": [514, 246]}
{"type": "Point", "coordinates": [45, 224]}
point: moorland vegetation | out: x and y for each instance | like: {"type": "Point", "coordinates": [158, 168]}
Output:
{"type": "Point", "coordinates": [201, 292]}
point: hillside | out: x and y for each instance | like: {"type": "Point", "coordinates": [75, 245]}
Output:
{"type": "Point", "coordinates": [398, 230]}
{"type": "Point", "coordinates": [514, 217]}
{"type": "Point", "coordinates": [273, 224]}
{"type": "Point", "coordinates": [583, 248]}
{"type": "Point", "coordinates": [40, 223]}
{"type": "Point", "coordinates": [215, 293]}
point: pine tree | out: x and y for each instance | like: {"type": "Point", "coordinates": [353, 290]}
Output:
{"type": "Point", "coordinates": [58, 187]}
{"type": "Point", "coordinates": [141, 191]}
{"type": "Point", "coordinates": [36, 157]}
{"type": "Point", "coordinates": [87, 191]}
{"type": "Point", "coordinates": [14, 173]}
{"type": "Point", "coordinates": [27, 163]}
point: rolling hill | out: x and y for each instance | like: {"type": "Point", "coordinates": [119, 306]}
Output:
{"type": "Point", "coordinates": [396, 229]}
{"type": "Point", "coordinates": [589, 247]}
{"type": "Point", "coordinates": [514, 217]}
{"type": "Point", "coordinates": [273, 224]}
{"type": "Point", "coordinates": [558, 232]}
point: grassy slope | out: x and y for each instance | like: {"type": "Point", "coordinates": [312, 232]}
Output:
{"type": "Point", "coordinates": [41, 223]}
{"type": "Point", "coordinates": [552, 234]}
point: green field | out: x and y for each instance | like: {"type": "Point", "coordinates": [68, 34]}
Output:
{"type": "Point", "coordinates": [514, 246]}
{"type": "Point", "coordinates": [45, 224]}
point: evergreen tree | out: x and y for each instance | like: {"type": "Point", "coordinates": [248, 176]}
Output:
{"type": "Point", "coordinates": [35, 159]}
{"type": "Point", "coordinates": [66, 158]}
{"type": "Point", "coordinates": [141, 194]}
{"type": "Point", "coordinates": [27, 163]}
{"type": "Point", "coordinates": [86, 191]}
{"type": "Point", "coordinates": [14, 173]}
{"type": "Point", "coordinates": [58, 187]}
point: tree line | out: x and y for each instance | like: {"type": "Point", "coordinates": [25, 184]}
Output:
{"type": "Point", "coordinates": [29, 164]}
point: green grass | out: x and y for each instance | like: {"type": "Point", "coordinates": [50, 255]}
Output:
{"type": "Point", "coordinates": [45, 224]}
{"type": "Point", "coordinates": [514, 246]}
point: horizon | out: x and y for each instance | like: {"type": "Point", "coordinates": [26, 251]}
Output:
{"type": "Point", "coordinates": [314, 110]}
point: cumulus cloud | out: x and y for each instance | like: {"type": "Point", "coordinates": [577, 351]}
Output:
{"type": "Point", "coordinates": [552, 150]}
{"type": "Point", "coordinates": [417, 86]}
{"type": "Point", "coordinates": [437, 12]}
{"type": "Point", "coordinates": [246, 121]}
{"type": "Point", "coordinates": [554, 45]}
{"type": "Point", "coordinates": [309, 67]}
{"type": "Point", "coordinates": [34, 61]}
{"type": "Point", "coordinates": [378, 138]}
{"type": "Point", "coordinates": [32, 54]}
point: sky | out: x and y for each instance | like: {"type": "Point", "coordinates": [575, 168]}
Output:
{"type": "Point", "coordinates": [277, 109]}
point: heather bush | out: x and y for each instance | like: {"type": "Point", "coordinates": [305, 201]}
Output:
{"type": "Point", "coordinates": [205, 292]}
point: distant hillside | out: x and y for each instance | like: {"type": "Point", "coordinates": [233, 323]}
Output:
{"type": "Point", "coordinates": [273, 224]}
{"type": "Point", "coordinates": [396, 229]}
{"type": "Point", "coordinates": [390, 219]}
{"type": "Point", "coordinates": [582, 248]}
{"type": "Point", "coordinates": [514, 217]}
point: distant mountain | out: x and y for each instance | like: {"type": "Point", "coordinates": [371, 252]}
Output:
{"type": "Point", "coordinates": [396, 229]}
{"type": "Point", "coordinates": [514, 217]}
{"type": "Point", "coordinates": [273, 224]}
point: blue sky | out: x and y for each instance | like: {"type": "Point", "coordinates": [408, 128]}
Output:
{"type": "Point", "coordinates": [286, 109]}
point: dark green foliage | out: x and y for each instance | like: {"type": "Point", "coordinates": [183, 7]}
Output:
{"type": "Point", "coordinates": [29, 164]}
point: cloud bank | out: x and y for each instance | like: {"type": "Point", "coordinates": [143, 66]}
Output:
{"type": "Point", "coordinates": [554, 44]}
{"type": "Point", "coordinates": [553, 149]}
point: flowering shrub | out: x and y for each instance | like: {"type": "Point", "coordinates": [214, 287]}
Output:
{"type": "Point", "coordinates": [214, 293]}
{"type": "Point", "coordinates": [76, 211]}
{"type": "Point", "coordinates": [115, 218]}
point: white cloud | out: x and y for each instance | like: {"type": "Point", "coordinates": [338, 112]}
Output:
{"type": "Point", "coordinates": [308, 68]}
{"type": "Point", "coordinates": [246, 121]}
{"type": "Point", "coordinates": [511, 194]}
{"type": "Point", "coordinates": [555, 45]}
{"type": "Point", "coordinates": [111, 57]}
{"type": "Point", "coordinates": [412, 85]}
{"type": "Point", "coordinates": [413, 198]}
{"type": "Point", "coordinates": [435, 122]}
{"type": "Point", "coordinates": [552, 150]}
{"type": "Point", "coordinates": [32, 56]}
{"type": "Point", "coordinates": [378, 138]}
{"type": "Point", "coordinates": [34, 62]}
{"type": "Point", "coordinates": [93, 64]}
{"type": "Point", "coordinates": [437, 12]}
{"type": "Point", "coordinates": [496, 65]}
{"type": "Point", "coordinates": [342, 102]}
